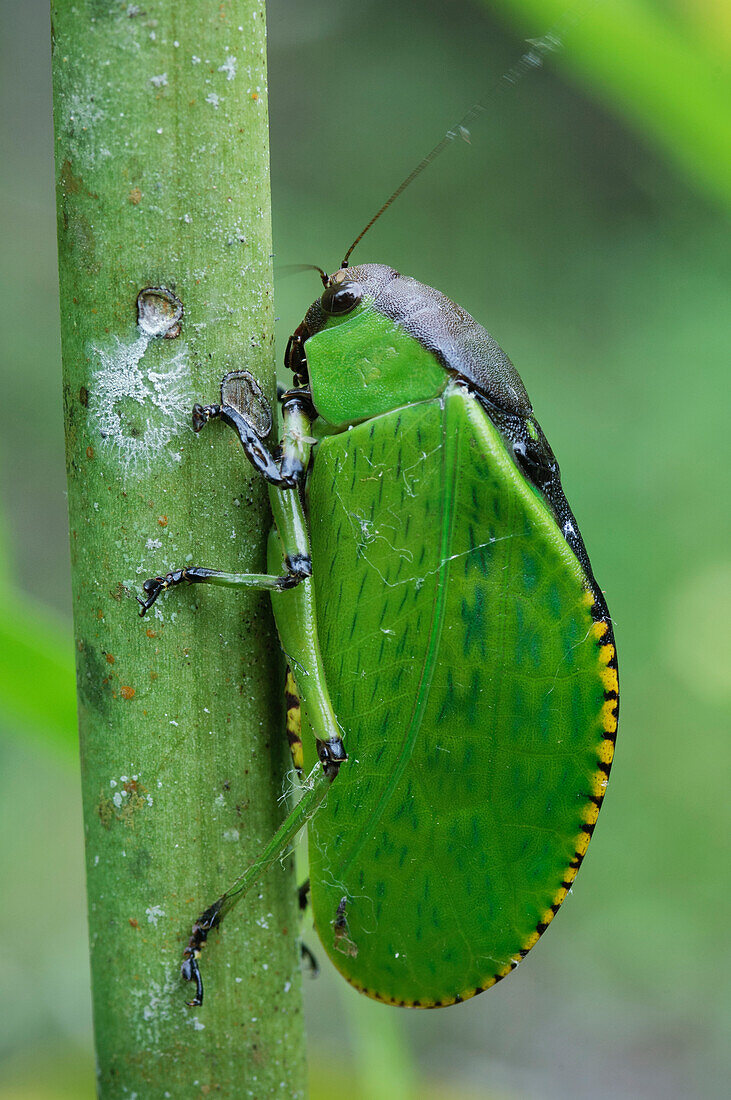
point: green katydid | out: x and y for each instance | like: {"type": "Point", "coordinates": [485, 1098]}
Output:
{"type": "Point", "coordinates": [443, 626]}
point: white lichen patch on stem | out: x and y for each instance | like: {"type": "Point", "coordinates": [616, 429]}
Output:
{"type": "Point", "coordinates": [228, 67]}
{"type": "Point", "coordinates": [139, 411]}
{"type": "Point", "coordinates": [81, 116]}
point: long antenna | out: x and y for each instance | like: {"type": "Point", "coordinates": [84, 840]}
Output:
{"type": "Point", "coordinates": [296, 269]}
{"type": "Point", "coordinates": [527, 62]}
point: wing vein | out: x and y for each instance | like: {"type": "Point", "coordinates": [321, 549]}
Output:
{"type": "Point", "coordinates": [450, 433]}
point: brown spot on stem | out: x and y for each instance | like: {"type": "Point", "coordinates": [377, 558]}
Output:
{"type": "Point", "coordinates": [127, 692]}
{"type": "Point", "coordinates": [159, 312]}
{"type": "Point", "coordinates": [70, 183]}
{"type": "Point", "coordinates": [105, 809]}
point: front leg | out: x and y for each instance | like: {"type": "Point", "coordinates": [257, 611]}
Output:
{"type": "Point", "coordinates": [245, 409]}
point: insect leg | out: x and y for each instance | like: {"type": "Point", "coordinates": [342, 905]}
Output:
{"type": "Point", "coordinates": [284, 494]}
{"type": "Point", "coordinates": [295, 611]}
{"type": "Point", "coordinates": [294, 727]}
{"type": "Point", "coordinates": [297, 623]}
{"type": "Point", "coordinates": [245, 409]}
{"type": "Point", "coordinates": [306, 955]}
{"type": "Point", "coordinates": [302, 893]}
{"type": "Point", "coordinates": [341, 932]}
{"type": "Point", "coordinates": [296, 620]}
{"type": "Point", "coordinates": [196, 574]}
{"type": "Point", "coordinates": [257, 453]}
{"type": "Point", "coordinates": [316, 787]}
{"type": "Point", "coordinates": [313, 967]}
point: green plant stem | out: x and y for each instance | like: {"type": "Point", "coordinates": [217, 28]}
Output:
{"type": "Point", "coordinates": [162, 181]}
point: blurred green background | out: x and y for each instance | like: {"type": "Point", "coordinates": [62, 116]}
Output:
{"type": "Point", "coordinates": [585, 226]}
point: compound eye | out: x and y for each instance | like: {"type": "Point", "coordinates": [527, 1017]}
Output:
{"type": "Point", "coordinates": [341, 298]}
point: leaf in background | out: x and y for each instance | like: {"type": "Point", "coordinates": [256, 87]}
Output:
{"type": "Point", "coordinates": [383, 1061]}
{"type": "Point", "coordinates": [37, 682]}
{"type": "Point", "coordinates": [37, 677]}
{"type": "Point", "coordinates": [670, 82]}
